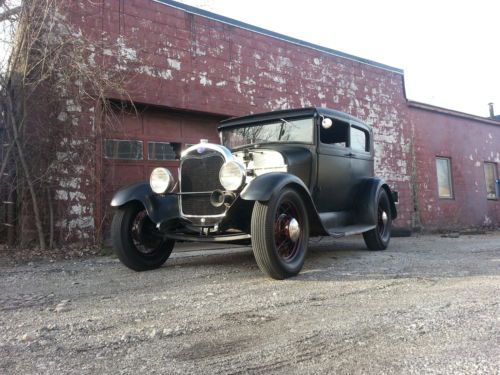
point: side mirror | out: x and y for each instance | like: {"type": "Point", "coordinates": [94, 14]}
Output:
{"type": "Point", "coordinates": [326, 123]}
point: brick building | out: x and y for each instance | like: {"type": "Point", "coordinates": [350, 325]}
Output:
{"type": "Point", "coordinates": [187, 69]}
{"type": "Point", "coordinates": [456, 164]}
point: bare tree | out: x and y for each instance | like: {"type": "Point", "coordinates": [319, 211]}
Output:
{"type": "Point", "coordinates": [50, 75]}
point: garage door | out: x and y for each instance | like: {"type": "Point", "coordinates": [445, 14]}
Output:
{"type": "Point", "coordinates": [137, 141]}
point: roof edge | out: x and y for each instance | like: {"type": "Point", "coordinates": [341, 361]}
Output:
{"type": "Point", "coordinates": [264, 116]}
{"type": "Point", "coordinates": [295, 112]}
{"type": "Point", "coordinates": [275, 35]}
{"type": "Point", "coordinates": [451, 112]}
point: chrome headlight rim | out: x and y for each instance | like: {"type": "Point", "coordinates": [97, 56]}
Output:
{"type": "Point", "coordinates": [239, 176]}
{"type": "Point", "coordinates": [161, 180]}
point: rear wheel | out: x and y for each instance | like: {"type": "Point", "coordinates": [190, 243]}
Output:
{"type": "Point", "coordinates": [280, 234]}
{"type": "Point", "coordinates": [378, 238]}
{"type": "Point", "coordinates": [136, 241]}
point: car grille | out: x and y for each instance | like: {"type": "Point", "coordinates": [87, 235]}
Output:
{"type": "Point", "coordinates": [199, 205]}
{"type": "Point", "coordinates": [200, 173]}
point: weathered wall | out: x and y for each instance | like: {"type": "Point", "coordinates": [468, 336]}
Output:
{"type": "Point", "coordinates": [469, 143]}
{"type": "Point", "coordinates": [175, 59]}
{"type": "Point", "coordinates": [54, 104]}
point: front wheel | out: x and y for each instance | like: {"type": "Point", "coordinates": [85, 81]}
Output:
{"type": "Point", "coordinates": [378, 238]}
{"type": "Point", "coordinates": [136, 241]}
{"type": "Point", "coordinates": [280, 234]}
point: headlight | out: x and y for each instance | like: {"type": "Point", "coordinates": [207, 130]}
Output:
{"type": "Point", "coordinates": [232, 175]}
{"type": "Point", "coordinates": [161, 180]}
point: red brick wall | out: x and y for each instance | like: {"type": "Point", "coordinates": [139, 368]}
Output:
{"type": "Point", "coordinates": [171, 59]}
{"type": "Point", "coordinates": [179, 60]}
{"type": "Point", "coordinates": [469, 144]}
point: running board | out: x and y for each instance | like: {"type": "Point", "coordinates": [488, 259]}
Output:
{"type": "Point", "coordinates": [208, 238]}
{"type": "Point", "coordinates": [349, 230]}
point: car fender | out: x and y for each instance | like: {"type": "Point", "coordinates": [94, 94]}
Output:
{"type": "Point", "coordinates": [160, 208]}
{"type": "Point", "coordinates": [366, 200]}
{"type": "Point", "coordinates": [265, 186]}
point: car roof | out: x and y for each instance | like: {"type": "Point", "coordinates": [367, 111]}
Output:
{"type": "Point", "coordinates": [298, 112]}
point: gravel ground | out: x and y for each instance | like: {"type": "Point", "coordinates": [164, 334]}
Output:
{"type": "Point", "coordinates": [427, 305]}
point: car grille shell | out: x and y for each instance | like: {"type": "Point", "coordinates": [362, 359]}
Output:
{"type": "Point", "coordinates": [199, 173]}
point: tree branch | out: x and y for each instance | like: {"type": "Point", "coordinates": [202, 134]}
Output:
{"type": "Point", "coordinates": [10, 13]}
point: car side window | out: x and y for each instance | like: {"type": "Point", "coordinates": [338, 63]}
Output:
{"type": "Point", "coordinates": [360, 139]}
{"type": "Point", "coordinates": [337, 134]}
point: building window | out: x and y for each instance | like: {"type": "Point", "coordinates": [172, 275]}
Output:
{"type": "Point", "coordinates": [445, 187]}
{"type": "Point", "coordinates": [123, 150]}
{"type": "Point", "coordinates": [490, 174]}
{"type": "Point", "coordinates": [164, 151]}
{"type": "Point", "coordinates": [359, 139]}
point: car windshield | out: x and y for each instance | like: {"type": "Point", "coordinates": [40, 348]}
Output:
{"type": "Point", "coordinates": [283, 130]}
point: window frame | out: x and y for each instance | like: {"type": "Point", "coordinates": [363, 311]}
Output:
{"type": "Point", "coordinates": [495, 178]}
{"type": "Point", "coordinates": [171, 144]}
{"type": "Point", "coordinates": [265, 122]}
{"type": "Point", "coordinates": [337, 145]}
{"type": "Point", "coordinates": [367, 149]}
{"type": "Point", "coordinates": [450, 177]}
{"type": "Point", "coordinates": [141, 142]}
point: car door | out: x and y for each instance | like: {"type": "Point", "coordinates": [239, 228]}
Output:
{"type": "Point", "coordinates": [333, 192]}
{"type": "Point", "coordinates": [361, 145]}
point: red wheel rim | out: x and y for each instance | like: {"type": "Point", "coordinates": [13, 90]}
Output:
{"type": "Point", "coordinates": [286, 248]}
{"type": "Point", "coordinates": [142, 230]}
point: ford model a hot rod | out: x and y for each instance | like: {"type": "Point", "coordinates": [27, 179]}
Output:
{"type": "Point", "coordinates": [276, 179]}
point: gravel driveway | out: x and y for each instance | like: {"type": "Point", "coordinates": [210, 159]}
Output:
{"type": "Point", "coordinates": [427, 305]}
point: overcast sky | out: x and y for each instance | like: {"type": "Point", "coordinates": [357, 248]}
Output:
{"type": "Point", "coordinates": [449, 50]}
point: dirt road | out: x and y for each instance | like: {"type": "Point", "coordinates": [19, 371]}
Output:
{"type": "Point", "coordinates": [426, 305]}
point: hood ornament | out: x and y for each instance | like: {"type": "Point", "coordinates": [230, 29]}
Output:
{"type": "Point", "coordinates": [202, 149]}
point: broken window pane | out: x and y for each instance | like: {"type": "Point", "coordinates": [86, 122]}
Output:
{"type": "Point", "coordinates": [443, 167]}
{"type": "Point", "coordinates": [163, 151]}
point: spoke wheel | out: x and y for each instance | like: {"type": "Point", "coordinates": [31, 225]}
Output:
{"type": "Point", "coordinates": [145, 236]}
{"type": "Point", "coordinates": [286, 231]}
{"type": "Point", "coordinates": [280, 233]}
{"type": "Point", "coordinates": [136, 241]}
{"type": "Point", "coordinates": [379, 238]}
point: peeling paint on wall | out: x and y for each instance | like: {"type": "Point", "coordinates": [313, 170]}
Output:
{"type": "Point", "coordinates": [125, 52]}
{"type": "Point", "coordinates": [174, 64]}
{"type": "Point", "coordinates": [204, 79]}
{"type": "Point", "coordinates": [207, 67]}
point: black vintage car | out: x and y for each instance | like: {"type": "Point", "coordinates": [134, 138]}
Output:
{"type": "Point", "coordinates": [277, 179]}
